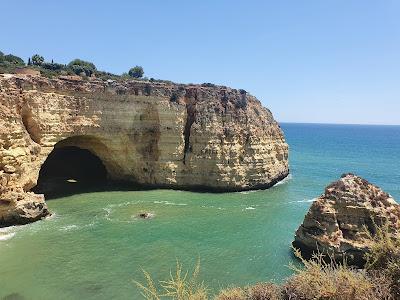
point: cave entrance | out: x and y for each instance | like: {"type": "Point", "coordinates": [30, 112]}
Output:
{"type": "Point", "coordinates": [70, 170]}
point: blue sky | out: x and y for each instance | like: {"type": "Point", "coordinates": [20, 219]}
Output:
{"type": "Point", "coordinates": [308, 61]}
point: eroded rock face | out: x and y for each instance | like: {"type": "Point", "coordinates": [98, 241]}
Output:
{"type": "Point", "coordinates": [157, 134]}
{"type": "Point", "coordinates": [338, 221]}
{"type": "Point", "coordinates": [21, 208]}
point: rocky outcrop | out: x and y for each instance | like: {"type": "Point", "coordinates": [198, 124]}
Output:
{"type": "Point", "coordinates": [151, 133]}
{"type": "Point", "coordinates": [341, 221]}
{"type": "Point", "coordinates": [21, 208]}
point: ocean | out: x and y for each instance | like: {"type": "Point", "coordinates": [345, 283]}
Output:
{"type": "Point", "coordinates": [93, 247]}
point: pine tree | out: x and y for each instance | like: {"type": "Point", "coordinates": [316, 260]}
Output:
{"type": "Point", "coordinates": [29, 61]}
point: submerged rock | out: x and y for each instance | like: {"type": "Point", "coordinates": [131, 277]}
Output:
{"type": "Point", "coordinates": [341, 221]}
{"type": "Point", "coordinates": [145, 215]}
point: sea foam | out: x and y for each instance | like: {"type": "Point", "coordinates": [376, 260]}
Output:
{"type": "Point", "coordinates": [5, 237]}
{"type": "Point", "coordinates": [285, 180]}
{"type": "Point", "coordinates": [250, 208]}
{"type": "Point", "coordinates": [7, 233]}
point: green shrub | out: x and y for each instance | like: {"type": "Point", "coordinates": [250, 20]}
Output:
{"type": "Point", "coordinates": [9, 62]}
{"type": "Point", "coordinates": [10, 59]}
{"type": "Point", "coordinates": [37, 60]}
{"type": "Point", "coordinates": [53, 66]}
{"type": "Point", "coordinates": [81, 67]}
{"type": "Point", "coordinates": [136, 72]}
{"type": "Point", "coordinates": [147, 89]}
{"type": "Point", "coordinates": [208, 84]}
{"type": "Point", "coordinates": [174, 97]}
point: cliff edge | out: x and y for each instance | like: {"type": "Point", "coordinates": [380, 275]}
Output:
{"type": "Point", "coordinates": [150, 133]}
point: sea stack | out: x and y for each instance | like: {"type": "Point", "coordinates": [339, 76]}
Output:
{"type": "Point", "coordinates": [338, 221]}
{"type": "Point", "coordinates": [152, 133]}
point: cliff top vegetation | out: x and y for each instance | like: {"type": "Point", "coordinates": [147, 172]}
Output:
{"type": "Point", "coordinates": [10, 64]}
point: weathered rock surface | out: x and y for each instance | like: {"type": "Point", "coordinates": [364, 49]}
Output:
{"type": "Point", "coordinates": [338, 221]}
{"type": "Point", "coordinates": [21, 208]}
{"type": "Point", "coordinates": [151, 133]}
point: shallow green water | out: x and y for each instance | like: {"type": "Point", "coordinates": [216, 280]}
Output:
{"type": "Point", "coordinates": [94, 246]}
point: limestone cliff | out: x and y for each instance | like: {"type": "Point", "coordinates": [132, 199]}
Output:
{"type": "Point", "coordinates": [338, 221]}
{"type": "Point", "coordinates": [151, 133]}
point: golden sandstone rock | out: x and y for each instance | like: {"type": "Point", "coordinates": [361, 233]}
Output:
{"type": "Point", "coordinates": [152, 133]}
{"type": "Point", "coordinates": [341, 221]}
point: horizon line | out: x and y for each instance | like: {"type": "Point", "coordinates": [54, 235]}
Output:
{"type": "Point", "coordinates": [356, 124]}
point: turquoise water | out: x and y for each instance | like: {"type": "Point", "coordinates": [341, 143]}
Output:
{"type": "Point", "coordinates": [94, 246]}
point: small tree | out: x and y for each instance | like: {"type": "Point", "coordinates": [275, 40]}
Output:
{"type": "Point", "coordinates": [29, 61]}
{"type": "Point", "coordinates": [136, 72]}
{"type": "Point", "coordinates": [37, 60]}
{"type": "Point", "coordinates": [80, 67]}
{"type": "Point", "coordinates": [14, 60]}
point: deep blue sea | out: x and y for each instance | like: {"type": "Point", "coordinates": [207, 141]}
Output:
{"type": "Point", "coordinates": [319, 153]}
{"type": "Point", "coordinates": [94, 246]}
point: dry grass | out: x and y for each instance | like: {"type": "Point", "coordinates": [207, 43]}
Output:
{"type": "Point", "coordinates": [180, 286]}
{"type": "Point", "coordinates": [319, 279]}
{"type": "Point", "coordinates": [259, 291]}
{"type": "Point", "coordinates": [235, 293]}
{"type": "Point", "coordinates": [316, 280]}
{"type": "Point", "coordinates": [384, 258]}
{"type": "Point", "coordinates": [264, 291]}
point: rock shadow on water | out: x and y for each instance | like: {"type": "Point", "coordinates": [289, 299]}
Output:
{"type": "Point", "coordinates": [14, 296]}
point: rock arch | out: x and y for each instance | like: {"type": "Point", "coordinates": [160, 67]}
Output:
{"type": "Point", "coordinates": [143, 135]}
{"type": "Point", "coordinates": [75, 162]}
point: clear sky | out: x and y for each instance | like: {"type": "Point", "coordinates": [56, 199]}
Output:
{"type": "Point", "coordinates": [325, 61]}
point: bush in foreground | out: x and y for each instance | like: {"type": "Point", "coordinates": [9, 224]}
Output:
{"type": "Point", "coordinates": [316, 280]}
{"type": "Point", "coordinates": [260, 291]}
{"type": "Point", "coordinates": [179, 286]}
{"type": "Point", "coordinates": [319, 279]}
{"type": "Point", "coordinates": [384, 258]}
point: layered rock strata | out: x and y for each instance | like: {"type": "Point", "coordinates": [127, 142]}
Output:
{"type": "Point", "coordinates": [152, 133]}
{"type": "Point", "coordinates": [342, 221]}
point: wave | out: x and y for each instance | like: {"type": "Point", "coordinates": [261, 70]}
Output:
{"type": "Point", "coordinates": [7, 233]}
{"type": "Point", "coordinates": [307, 200]}
{"type": "Point", "coordinates": [248, 192]}
{"type": "Point", "coordinates": [169, 203]}
{"type": "Point", "coordinates": [6, 237]}
{"type": "Point", "coordinates": [250, 208]}
{"type": "Point", "coordinates": [285, 180]}
{"type": "Point", "coordinates": [304, 200]}
{"type": "Point", "coordinates": [51, 216]}
{"type": "Point", "coordinates": [69, 227]}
